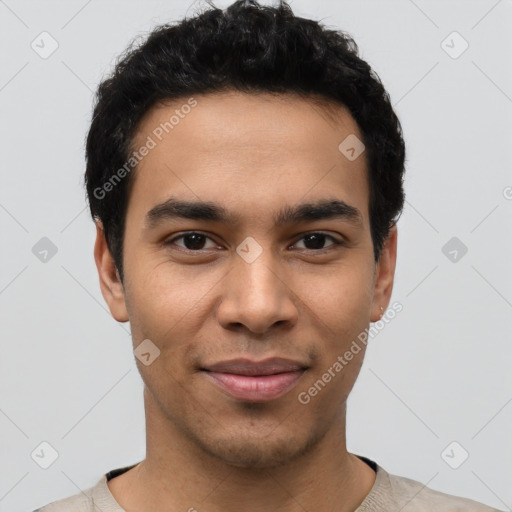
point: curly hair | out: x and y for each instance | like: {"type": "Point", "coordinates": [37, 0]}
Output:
{"type": "Point", "coordinates": [250, 48]}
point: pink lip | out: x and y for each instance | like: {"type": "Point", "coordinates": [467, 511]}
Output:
{"type": "Point", "coordinates": [244, 366]}
{"type": "Point", "coordinates": [258, 388]}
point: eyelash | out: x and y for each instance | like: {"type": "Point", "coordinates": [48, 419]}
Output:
{"type": "Point", "coordinates": [184, 249]}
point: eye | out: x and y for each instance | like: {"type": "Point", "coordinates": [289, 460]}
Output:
{"type": "Point", "coordinates": [193, 241]}
{"type": "Point", "coordinates": [316, 241]}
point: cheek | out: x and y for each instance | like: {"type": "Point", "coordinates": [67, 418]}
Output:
{"type": "Point", "coordinates": [341, 304]}
{"type": "Point", "coordinates": [327, 389]}
{"type": "Point", "coordinates": [340, 296]}
{"type": "Point", "coordinates": [169, 305]}
{"type": "Point", "coordinates": [161, 292]}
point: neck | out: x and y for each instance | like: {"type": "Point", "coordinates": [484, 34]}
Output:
{"type": "Point", "coordinates": [178, 475]}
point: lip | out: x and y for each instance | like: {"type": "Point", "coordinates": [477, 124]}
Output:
{"type": "Point", "coordinates": [255, 381]}
{"type": "Point", "coordinates": [249, 367]}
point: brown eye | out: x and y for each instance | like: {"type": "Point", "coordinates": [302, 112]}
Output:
{"type": "Point", "coordinates": [192, 241]}
{"type": "Point", "coordinates": [316, 241]}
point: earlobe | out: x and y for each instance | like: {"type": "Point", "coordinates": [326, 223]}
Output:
{"type": "Point", "coordinates": [385, 275]}
{"type": "Point", "coordinates": [110, 283]}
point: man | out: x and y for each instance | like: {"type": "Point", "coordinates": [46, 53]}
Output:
{"type": "Point", "coordinates": [221, 153]}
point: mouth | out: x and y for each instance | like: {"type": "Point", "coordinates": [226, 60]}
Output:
{"type": "Point", "coordinates": [255, 381]}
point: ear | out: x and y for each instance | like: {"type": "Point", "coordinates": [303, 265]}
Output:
{"type": "Point", "coordinates": [110, 283]}
{"type": "Point", "coordinates": [384, 276]}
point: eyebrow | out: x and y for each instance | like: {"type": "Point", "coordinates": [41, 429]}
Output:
{"type": "Point", "coordinates": [323, 209]}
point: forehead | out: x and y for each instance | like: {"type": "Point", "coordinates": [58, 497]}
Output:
{"type": "Point", "coordinates": [250, 151]}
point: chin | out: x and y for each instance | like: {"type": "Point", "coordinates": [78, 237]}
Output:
{"type": "Point", "coordinates": [259, 452]}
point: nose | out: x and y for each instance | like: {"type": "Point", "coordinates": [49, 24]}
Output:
{"type": "Point", "coordinates": [257, 295]}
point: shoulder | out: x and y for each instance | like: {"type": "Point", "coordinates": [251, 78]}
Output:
{"type": "Point", "coordinates": [94, 499]}
{"type": "Point", "coordinates": [80, 502]}
{"type": "Point", "coordinates": [394, 492]}
{"type": "Point", "coordinates": [75, 503]}
{"type": "Point", "coordinates": [414, 496]}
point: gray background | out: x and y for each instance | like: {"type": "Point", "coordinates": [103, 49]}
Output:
{"type": "Point", "coordinates": [439, 372]}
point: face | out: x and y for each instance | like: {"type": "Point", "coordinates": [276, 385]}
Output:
{"type": "Point", "coordinates": [250, 275]}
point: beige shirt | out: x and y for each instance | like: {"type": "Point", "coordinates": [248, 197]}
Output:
{"type": "Point", "coordinates": [390, 493]}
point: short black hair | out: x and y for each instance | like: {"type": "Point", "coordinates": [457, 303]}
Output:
{"type": "Point", "coordinates": [250, 48]}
